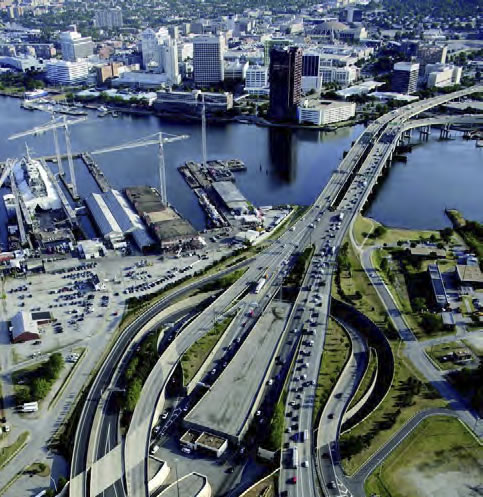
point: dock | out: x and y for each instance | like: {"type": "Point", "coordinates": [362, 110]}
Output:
{"type": "Point", "coordinates": [96, 172]}
{"type": "Point", "coordinates": [69, 211]}
{"type": "Point", "coordinates": [69, 187]}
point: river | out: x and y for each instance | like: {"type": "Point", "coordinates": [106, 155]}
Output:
{"type": "Point", "coordinates": [283, 166]}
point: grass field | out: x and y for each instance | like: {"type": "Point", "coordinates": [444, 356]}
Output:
{"type": "Point", "coordinates": [440, 458]}
{"type": "Point", "coordinates": [366, 379]}
{"type": "Point", "coordinates": [364, 225]}
{"type": "Point", "coordinates": [436, 352]}
{"type": "Point", "coordinates": [196, 355]}
{"type": "Point", "coordinates": [336, 352]}
{"type": "Point", "coordinates": [7, 452]}
{"type": "Point", "coordinates": [354, 281]}
{"type": "Point", "coordinates": [399, 405]}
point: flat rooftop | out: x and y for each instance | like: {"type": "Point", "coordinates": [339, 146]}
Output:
{"type": "Point", "coordinates": [209, 440]}
{"type": "Point", "coordinates": [225, 409]}
{"type": "Point", "coordinates": [325, 104]}
{"type": "Point", "coordinates": [438, 285]}
{"type": "Point", "coordinates": [189, 486]}
{"type": "Point", "coordinates": [469, 274]}
{"type": "Point", "coordinates": [229, 192]}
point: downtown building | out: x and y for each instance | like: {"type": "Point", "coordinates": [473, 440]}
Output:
{"type": "Point", "coordinates": [108, 18]}
{"type": "Point", "coordinates": [285, 82]}
{"type": "Point", "coordinates": [160, 54]}
{"type": "Point", "coordinates": [62, 72]}
{"type": "Point", "coordinates": [208, 64]}
{"type": "Point", "coordinates": [405, 77]}
{"type": "Point", "coordinates": [74, 46]}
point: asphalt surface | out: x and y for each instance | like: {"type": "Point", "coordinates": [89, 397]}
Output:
{"type": "Point", "coordinates": [101, 381]}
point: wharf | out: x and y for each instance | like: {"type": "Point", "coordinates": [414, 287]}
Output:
{"type": "Point", "coordinates": [69, 187]}
{"type": "Point", "coordinates": [69, 211]}
{"type": "Point", "coordinates": [96, 172]}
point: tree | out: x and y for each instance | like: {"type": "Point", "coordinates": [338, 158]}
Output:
{"type": "Point", "coordinates": [40, 388]}
{"type": "Point", "coordinates": [379, 231]}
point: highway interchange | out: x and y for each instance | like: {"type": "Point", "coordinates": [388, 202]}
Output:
{"type": "Point", "coordinates": [323, 226]}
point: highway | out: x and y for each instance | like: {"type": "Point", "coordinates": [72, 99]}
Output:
{"type": "Point", "coordinates": [347, 189]}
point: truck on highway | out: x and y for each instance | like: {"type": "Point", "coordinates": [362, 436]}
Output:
{"type": "Point", "coordinates": [341, 216]}
{"type": "Point", "coordinates": [260, 284]}
{"type": "Point", "coordinates": [294, 458]}
{"type": "Point", "coordinates": [28, 407]}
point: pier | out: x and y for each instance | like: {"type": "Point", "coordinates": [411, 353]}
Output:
{"type": "Point", "coordinates": [96, 172]}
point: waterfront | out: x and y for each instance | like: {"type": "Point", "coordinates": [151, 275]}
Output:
{"type": "Point", "coordinates": [283, 166]}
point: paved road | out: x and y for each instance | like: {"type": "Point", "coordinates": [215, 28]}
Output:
{"type": "Point", "coordinates": [334, 410]}
{"type": "Point", "coordinates": [79, 458]}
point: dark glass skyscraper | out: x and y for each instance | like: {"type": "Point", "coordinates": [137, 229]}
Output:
{"type": "Point", "coordinates": [285, 82]}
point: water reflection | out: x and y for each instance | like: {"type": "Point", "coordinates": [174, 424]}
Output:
{"type": "Point", "coordinates": [283, 154]}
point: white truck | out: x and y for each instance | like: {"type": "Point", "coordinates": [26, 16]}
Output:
{"type": "Point", "coordinates": [341, 216]}
{"type": "Point", "coordinates": [260, 284]}
{"type": "Point", "coordinates": [29, 407]}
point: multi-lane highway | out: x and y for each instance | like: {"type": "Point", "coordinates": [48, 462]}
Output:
{"type": "Point", "coordinates": [347, 191]}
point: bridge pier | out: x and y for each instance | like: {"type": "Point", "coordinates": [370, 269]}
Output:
{"type": "Point", "coordinates": [424, 132]}
{"type": "Point", "coordinates": [444, 132]}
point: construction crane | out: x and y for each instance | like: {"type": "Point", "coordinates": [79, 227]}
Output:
{"type": "Point", "coordinates": [156, 139]}
{"type": "Point", "coordinates": [203, 130]}
{"type": "Point", "coordinates": [6, 171]}
{"type": "Point", "coordinates": [18, 212]}
{"type": "Point", "coordinates": [53, 124]}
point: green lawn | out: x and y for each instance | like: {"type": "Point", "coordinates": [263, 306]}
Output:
{"type": "Point", "coordinates": [407, 396]}
{"type": "Point", "coordinates": [362, 227]}
{"type": "Point", "coordinates": [439, 458]}
{"type": "Point", "coordinates": [336, 352]}
{"type": "Point", "coordinates": [196, 355]}
{"type": "Point", "coordinates": [355, 280]}
{"type": "Point", "coordinates": [436, 352]}
{"type": "Point", "coordinates": [7, 452]}
{"type": "Point", "coordinates": [366, 379]}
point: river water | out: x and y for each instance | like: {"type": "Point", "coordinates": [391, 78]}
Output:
{"type": "Point", "coordinates": [283, 166]}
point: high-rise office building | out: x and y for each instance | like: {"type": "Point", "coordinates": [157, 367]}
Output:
{"type": "Point", "coordinates": [150, 43]}
{"type": "Point", "coordinates": [160, 54]}
{"type": "Point", "coordinates": [405, 77]}
{"type": "Point", "coordinates": [61, 72]}
{"type": "Point", "coordinates": [268, 45]}
{"type": "Point", "coordinates": [108, 18]}
{"type": "Point", "coordinates": [74, 46]}
{"type": "Point", "coordinates": [285, 82]}
{"type": "Point", "coordinates": [208, 67]}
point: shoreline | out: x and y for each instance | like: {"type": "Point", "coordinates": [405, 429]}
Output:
{"type": "Point", "coordinates": [243, 119]}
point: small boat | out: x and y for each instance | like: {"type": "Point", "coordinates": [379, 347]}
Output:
{"type": "Point", "coordinates": [102, 108]}
{"type": "Point", "coordinates": [115, 114]}
{"type": "Point", "coordinates": [103, 114]}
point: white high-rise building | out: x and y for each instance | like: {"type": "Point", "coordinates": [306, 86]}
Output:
{"type": "Point", "coordinates": [150, 42]}
{"type": "Point", "coordinates": [108, 18]}
{"type": "Point", "coordinates": [74, 46]}
{"type": "Point", "coordinates": [208, 54]}
{"type": "Point", "coordinates": [169, 61]}
{"type": "Point", "coordinates": [62, 72]}
{"type": "Point", "coordinates": [160, 54]}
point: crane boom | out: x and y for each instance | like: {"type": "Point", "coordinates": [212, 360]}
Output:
{"type": "Point", "coordinates": [46, 127]}
{"type": "Point", "coordinates": [138, 143]}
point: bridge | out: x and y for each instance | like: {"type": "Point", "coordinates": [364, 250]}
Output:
{"type": "Point", "coordinates": [342, 195]}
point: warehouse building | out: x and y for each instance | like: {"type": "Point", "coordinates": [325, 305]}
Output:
{"type": "Point", "coordinates": [25, 325]}
{"type": "Point", "coordinates": [115, 219]}
{"type": "Point", "coordinates": [169, 228]}
{"type": "Point", "coordinates": [231, 196]}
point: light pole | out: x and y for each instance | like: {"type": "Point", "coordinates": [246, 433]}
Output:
{"type": "Point", "coordinates": [53, 481]}
{"type": "Point", "coordinates": [176, 475]}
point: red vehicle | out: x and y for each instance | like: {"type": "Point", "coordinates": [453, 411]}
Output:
{"type": "Point", "coordinates": [293, 479]}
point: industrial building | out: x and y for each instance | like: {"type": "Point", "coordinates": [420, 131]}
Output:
{"type": "Point", "coordinates": [469, 275]}
{"type": "Point", "coordinates": [169, 228]}
{"type": "Point", "coordinates": [325, 112]}
{"type": "Point", "coordinates": [115, 219]}
{"type": "Point", "coordinates": [231, 196]}
{"type": "Point", "coordinates": [25, 325]}
{"type": "Point", "coordinates": [439, 291]}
